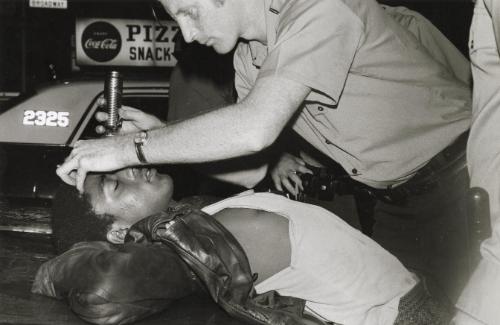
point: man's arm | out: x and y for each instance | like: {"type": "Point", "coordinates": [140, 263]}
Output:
{"type": "Point", "coordinates": [237, 130]}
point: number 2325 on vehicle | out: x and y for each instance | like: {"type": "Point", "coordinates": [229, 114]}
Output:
{"type": "Point", "coordinates": [46, 118]}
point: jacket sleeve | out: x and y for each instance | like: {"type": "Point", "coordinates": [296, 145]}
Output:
{"type": "Point", "coordinates": [221, 264]}
{"type": "Point", "coordinates": [106, 284]}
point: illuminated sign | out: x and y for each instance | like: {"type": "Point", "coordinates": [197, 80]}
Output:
{"type": "Point", "coordinates": [53, 4]}
{"type": "Point", "coordinates": [125, 42]}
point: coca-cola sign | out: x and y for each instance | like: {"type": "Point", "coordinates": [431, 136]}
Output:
{"type": "Point", "coordinates": [101, 41]}
{"type": "Point", "coordinates": [124, 42]}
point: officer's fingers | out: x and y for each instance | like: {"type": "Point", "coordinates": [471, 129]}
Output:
{"type": "Point", "coordinates": [288, 185]}
{"type": "Point", "coordinates": [132, 115]}
{"type": "Point", "coordinates": [299, 161]}
{"type": "Point", "coordinates": [304, 170]}
{"type": "Point", "coordinates": [101, 116]}
{"type": "Point", "coordinates": [67, 159]}
{"type": "Point", "coordinates": [77, 144]}
{"type": "Point", "coordinates": [78, 147]}
{"type": "Point", "coordinates": [277, 181]}
{"type": "Point", "coordinates": [67, 178]}
{"type": "Point", "coordinates": [72, 175]}
{"type": "Point", "coordinates": [127, 128]}
{"type": "Point", "coordinates": [80, 179]}
{"type": "Point", "coordinates": [296, 179]}
{"type": "Point", "coordinates": [70, 157]}
{"type": "Point", "coordinates": [126, 114]}
{"type": "Point", "coordinates": [100, 129]}
{"type": "Point", "coordinates": [128, 109]}
{"type": "Point", "coordinates": [101, 102]}
{"type": "Point", "coordinates": [292, 164]}
{"type": "Point", "coordinates": [65, 171]}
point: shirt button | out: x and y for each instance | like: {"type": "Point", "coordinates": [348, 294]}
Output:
{"type": "Point", "coordinates": [328, 141]}
{"type": "Point", "coordinates": [321, 108]}
{"type": "Point", "coordinates": [354, 171]}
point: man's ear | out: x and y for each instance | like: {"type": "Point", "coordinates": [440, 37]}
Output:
{"type": "Point", "coordinates": [116, 235]}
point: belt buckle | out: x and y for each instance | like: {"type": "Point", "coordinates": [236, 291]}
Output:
{"type": "Point", "coordinates": [395, 196]}
{"type": "Point", "coordinates": [389, 195]}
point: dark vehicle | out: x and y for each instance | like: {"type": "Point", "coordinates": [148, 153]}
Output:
{"type": "Point", "coordinates": [38, 131]}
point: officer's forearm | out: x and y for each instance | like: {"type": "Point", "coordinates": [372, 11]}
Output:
{"type": "Point", "coordinates": [226, 133]}
{"type": "Point", "coordinates": [233, 131]}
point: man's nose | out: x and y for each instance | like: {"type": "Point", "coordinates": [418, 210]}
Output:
{"type": "Point", "coordinates": [188, 33]}
{"type": "Point", "coordinates": [189, 36]}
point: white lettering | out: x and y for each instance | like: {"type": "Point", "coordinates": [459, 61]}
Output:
{"type": "Point", "coordinates": [46, 118]}
{"type": "Point", "coordinates": [105, 44]}
{"type": "Point", "coordinates": [150, 54]}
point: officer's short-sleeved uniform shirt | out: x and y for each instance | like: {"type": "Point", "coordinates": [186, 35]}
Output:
{"type": "Point", "coordinates": [380, 105]}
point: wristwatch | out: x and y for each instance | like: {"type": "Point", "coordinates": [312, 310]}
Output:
{"type": "Point", "coordinates": [141, 139]}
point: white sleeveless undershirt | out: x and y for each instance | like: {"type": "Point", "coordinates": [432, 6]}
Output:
{"type": "Point", "coordinates": [344, 276]}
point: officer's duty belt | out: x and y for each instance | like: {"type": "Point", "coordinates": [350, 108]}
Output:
{"type": "Point", "coordinates": [325, 183]}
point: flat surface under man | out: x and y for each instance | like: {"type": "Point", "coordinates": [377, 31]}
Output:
{"type": "Point", "coordinates": [20, 256]}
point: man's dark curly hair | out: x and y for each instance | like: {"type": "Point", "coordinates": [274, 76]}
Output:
{"type": "Point", "coordinates": [73, 219]}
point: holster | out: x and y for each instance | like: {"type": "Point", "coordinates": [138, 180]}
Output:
{"type": "Point", "coordinates": [221, 264]}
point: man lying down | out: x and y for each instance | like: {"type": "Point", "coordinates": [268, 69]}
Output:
{"type": "Point", "coordinates": [312, 267]}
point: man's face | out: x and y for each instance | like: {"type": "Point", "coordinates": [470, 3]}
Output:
{"type": "Point", "coordinates": [209, 22]}
{"type": "Point", "coordinates": [130, 194]}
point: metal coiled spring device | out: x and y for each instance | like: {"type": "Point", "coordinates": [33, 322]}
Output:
{"type": "Point", "coordinates": [113, 90]}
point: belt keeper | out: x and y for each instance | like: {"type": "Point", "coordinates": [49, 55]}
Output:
{"type": "Point", "coordinates": [140, 139]}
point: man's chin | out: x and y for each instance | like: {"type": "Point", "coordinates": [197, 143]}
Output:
{"type": "Point", "coordinates": [221, 49]}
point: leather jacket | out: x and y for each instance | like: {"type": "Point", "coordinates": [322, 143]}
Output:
{"type": "Point", "coordinates": [221, 264]}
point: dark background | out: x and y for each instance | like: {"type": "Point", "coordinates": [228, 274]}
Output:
{"type": "Point", "coordinates": [32, 39]}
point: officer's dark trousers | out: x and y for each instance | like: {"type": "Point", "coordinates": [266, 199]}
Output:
{"type": "Point", "coordinates": [428, 234]}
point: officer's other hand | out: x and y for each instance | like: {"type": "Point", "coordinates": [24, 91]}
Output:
{"type": "Point", "coordinates": [286, 173]}
{"type": "Point", "coordinates": [133, 119]}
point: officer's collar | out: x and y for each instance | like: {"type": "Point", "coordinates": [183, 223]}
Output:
{"type": "Point", "coordinates": [258, 50]}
